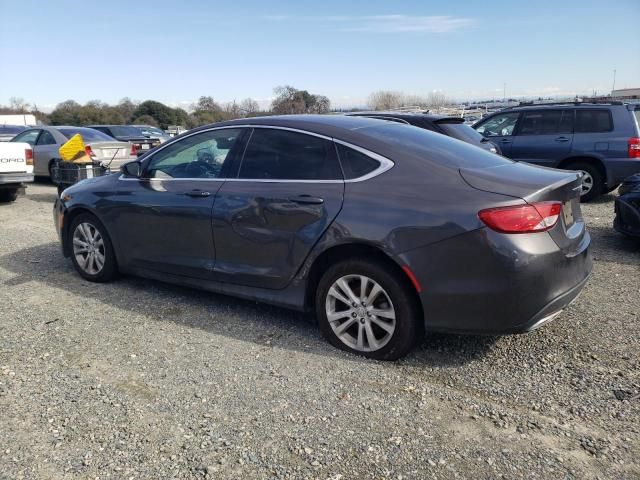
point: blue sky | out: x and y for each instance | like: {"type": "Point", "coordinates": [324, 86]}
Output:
{"type": "Point", "coordinates": [175, 51]}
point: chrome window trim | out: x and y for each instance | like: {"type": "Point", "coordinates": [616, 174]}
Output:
{"type": "Point", "coordinates": [385, 163]}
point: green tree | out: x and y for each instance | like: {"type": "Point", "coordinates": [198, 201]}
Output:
{"type": "Point", "coordinates": [291, 100]}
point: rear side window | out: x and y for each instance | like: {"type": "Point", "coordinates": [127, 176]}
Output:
{"type": "Point", "coordinates": [546, 122]}
{"type": "Point", "coordinates": [593, 121]}
{"type": "Point", "coordinates": [274, 154]}
{"type": "Point", "coordinates": [355, 164]}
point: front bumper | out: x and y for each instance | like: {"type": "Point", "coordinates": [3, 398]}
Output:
{"type": "Point", "coordinates": [627, 219]}
{"type": "Point", "coordinates": [490, 283]}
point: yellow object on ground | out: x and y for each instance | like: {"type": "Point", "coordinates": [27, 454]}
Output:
{"type": "Point", "coordinates": [74, 150]}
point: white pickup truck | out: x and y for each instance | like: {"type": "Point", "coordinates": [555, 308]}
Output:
{"type": "Point", "coordinates": [16, 169]}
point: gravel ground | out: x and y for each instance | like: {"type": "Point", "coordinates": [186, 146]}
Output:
{"type": "Point", "coordinates": [138, 379]}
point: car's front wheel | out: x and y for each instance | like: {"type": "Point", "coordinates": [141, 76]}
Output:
{"type": "Point", "coordinates": [367, 308]}
{"type": "Point", "coordinates": [91, 249]}
{"type": "Point", "coordinates": [8, 195]}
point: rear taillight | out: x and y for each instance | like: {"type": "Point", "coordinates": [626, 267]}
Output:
{"type": "Point", "coordinates": [134, 151]}
{"type": "Point", "coordinates": [89, 151]}
{"type": "Point", "coordinates": [634, 147]}
{"type": "Point", "coordinates": [530, 218]}
{"type": "Point", "coordinates": [28, 156]}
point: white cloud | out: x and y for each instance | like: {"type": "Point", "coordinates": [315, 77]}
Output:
{"type": "Point", "coordinates": [386, 23]}
{"type": "Point", "coordinates": [410, 24]}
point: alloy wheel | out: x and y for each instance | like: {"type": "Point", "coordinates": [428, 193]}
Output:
{"type": "Point", "coordinates": [587, 182]}
{"type": "Point", "coordinates": [88, 248]}
{"type": "Point", "coordinates": [360, 313]}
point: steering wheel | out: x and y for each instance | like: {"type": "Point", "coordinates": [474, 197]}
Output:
{"type": "Point", "coordinates": [200, 169]}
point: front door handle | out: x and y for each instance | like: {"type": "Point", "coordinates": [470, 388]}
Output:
{"type": "Point", "coordinates": [562, 139]}
{"type": "Point", "coordinates": [307, 199]}
{"type": "Point", "coordinates": [197, 193]}
{"type": "Point", "coordinates": [505, 140]}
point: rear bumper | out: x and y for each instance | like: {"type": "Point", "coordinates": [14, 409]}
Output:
{"type": "Point", "coordinates": [489, 283]}
{"type": "Point", "coordinates": [627, 219]}
{"type": "Point", "coordinates": [15, 178]}
{"type": "Point", "coordinates": [620, 168]}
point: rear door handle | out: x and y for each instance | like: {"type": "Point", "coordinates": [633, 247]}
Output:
{"type": "Point", "coordinates": [562, 139]}
{"type": "Point", "coordinates": [197, 193]}
{"type": "Point", "coordinates": [307, 199]}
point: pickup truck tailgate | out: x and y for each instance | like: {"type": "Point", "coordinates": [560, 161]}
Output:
{"type": "Point", "coordinates": [15, 157]}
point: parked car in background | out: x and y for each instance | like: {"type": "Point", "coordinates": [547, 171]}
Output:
{"type": "Point", "coordinates": [382, 229]}
{"type": "Point", "coordinates": [46, 141]}
{"type": "Point", "coordinates": [16, 169]}
{"type": "Point", "coordinates": [129, 133]}
{"type": "Point", "coordinates": [153, 132]}
{"type": "Point", "coordinates": [451, 126]}
{"type": "Point", "coordinates": [627, 207]}
{"type": "Point", "coordinates": [600, 140]}
{"type": "Point", "coordinates": [7, 132]}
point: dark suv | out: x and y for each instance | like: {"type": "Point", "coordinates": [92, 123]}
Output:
{"type": "Point", "coordinates": [450, 126]}
{"type": "Point", "coordinates": [600, 140]}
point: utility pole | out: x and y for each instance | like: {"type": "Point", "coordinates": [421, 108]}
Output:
{"type": "Point", "coordinates": [614, 82]}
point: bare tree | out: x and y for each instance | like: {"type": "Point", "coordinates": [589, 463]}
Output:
{"type": "Point", "coordinates": [390, 100]}
{"type": "Point", "coordinates": [385, 100]}
{"type": "Point", "coordinates": [249, 106]}
{"type": "Point", "coordinates": [18, 104]}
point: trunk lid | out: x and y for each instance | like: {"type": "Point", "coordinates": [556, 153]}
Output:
{"type": "Point", "coordinates": [108, 150]}
{"type": "Point", "coordinates": [533, 184]}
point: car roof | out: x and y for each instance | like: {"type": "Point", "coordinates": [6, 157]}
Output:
{"type": "Point", "coordinates": [396, 114]}
{"type": "Point", "coordinates": [551, 106]}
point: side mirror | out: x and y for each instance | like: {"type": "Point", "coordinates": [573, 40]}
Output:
{"type": "Point", "coordinates": [131, 169]}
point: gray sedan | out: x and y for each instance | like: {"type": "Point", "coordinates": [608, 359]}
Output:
{"type": "Point", "coordinates": [382, 229]}
{"type": "Point", "coordinates": [46, 141]}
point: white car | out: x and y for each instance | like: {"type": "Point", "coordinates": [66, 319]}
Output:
{"type": "Point", "coordinates": [16, 169]}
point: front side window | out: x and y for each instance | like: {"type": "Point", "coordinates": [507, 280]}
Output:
{"type": "Point", "coordinates": [197, 156]}
{"type": "Point", "coordinates": [356, 164]}
{"type": "Point", "coordinates": [593, 121]}
{"type": "Point", "coordinates": [501, 125]}
{"type": "Point", "coordinates": [29, 137]}
{"type": "Point", "coordinates": [46, 138]}
{"type": "Point", "coordinates": [274, 154]}
{"type": "Point", "coordinates": [546, 122]}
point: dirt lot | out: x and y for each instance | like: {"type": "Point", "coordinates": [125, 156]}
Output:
{"type": "Point", "coordinates": [138, 379]}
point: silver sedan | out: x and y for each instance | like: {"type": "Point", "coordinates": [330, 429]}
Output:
{"type": "Point", "coordinates": [46, 142]}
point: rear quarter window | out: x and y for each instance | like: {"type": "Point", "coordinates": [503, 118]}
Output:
{"type": "Point", "coordinates": [593, 121]}
{"type": "Point", "coordinates": [355, 164]}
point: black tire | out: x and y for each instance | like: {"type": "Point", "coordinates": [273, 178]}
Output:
{"type": "Point", "coordinates": [51, 164]}
{"type": "Point", "coordinates": [598, 187]}
{"type": "Point", "coordinates": [109, 269]}
{"type": "Point", "coordinates": [408, 327]}
{"type": "Point", "coordinates": [8, 195]}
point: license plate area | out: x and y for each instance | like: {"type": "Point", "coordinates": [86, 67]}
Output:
{"type": "Point", "coordinates": [567, 214]}
{"type": "Point", "coordinates": [144, 146]}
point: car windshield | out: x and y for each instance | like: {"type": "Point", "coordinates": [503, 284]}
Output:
{"type": "Point", "coordinates": [434, 146]}
{"type": "Point", "coordinates": [461, 132]}
{"type": "Point", "coordinates": [87, 134]}
{"type": "Point", "coordinates": [125, 131]}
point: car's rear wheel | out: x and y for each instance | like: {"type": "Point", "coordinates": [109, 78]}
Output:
{"type": "Point", "coordinates": [367, 308]}
{"type": "Point", "coordinates": [592, 180]}
{"type": "Point", "coordinates": [91, 249]}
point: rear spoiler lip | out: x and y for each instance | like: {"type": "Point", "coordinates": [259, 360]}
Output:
{"type": "Point", "coordinates": [570, 179]}
{"type": "Point", "coordinates": [455, 120]}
